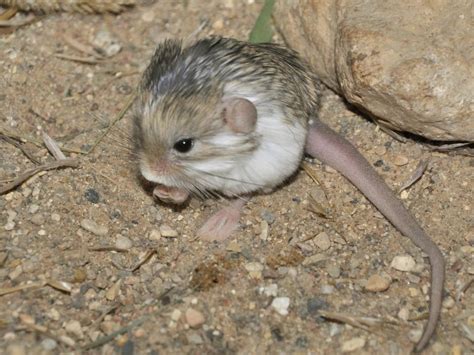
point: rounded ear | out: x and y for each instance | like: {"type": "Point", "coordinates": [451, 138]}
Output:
{"type": "Point", "coordinates": [239, 114]}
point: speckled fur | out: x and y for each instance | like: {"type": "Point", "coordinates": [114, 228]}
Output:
{"type": "Point", "coordinates": [180, 96]}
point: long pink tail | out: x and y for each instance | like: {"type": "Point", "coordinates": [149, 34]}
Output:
{"type": "Point", "coordinates": [330, 148]}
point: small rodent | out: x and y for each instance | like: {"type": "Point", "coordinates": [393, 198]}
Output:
{"type": "Point", "coordinates": [226, 117]}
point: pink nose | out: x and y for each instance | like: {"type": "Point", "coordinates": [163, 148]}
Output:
{"type": "Point", "coordinates": [161, 166]}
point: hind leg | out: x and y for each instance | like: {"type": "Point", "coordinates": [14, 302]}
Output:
{"type": "Point", "coordinates": [222, 223]}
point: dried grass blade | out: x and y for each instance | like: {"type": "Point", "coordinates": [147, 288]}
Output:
{"type": "Point", "coordinates": [417, 174]}
{"type": "Point", "coordinates": [53, 147]}
{"type": "Point", "coordinates": [64, 163]}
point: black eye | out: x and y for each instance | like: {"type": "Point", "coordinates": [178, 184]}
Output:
{"type": "Point", "coordinates": [184, 145]}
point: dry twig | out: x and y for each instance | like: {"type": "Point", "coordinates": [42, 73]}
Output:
{"type": "Point", "coordinates": [108, 248]}
{"type": "Point", "coordinates": [64, 163]}
{"type": "Point", "coordinates": [81, 47]}
{"type": "Point", "coordinates": [8, 14]}
{"type": "Point", "coordinates": [17, 22]}
{"type": "Point", "coordinates": [308, 170]}
{"type": "Point", "coordinates": [38, 142]}
{"type": "Point", "coordinates": [58, 285]}
{"type": "Point", "coordinates": [111, 336]}
{"type": "Point", "coordinates": [19, 146]}
{"type": "Point", "coordinates": [53, 147]}
{"type": "Point", "coordinates": [84, 60]}
{"type": "Point", "coordinates": [417, 174]}
{"type": "Point", "coordinates": [366, 323]}
{"type": "Point", "coordinates": [82, 6]}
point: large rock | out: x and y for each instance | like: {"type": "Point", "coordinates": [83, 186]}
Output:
{"type": "Point", "coordinates": [410, 64]}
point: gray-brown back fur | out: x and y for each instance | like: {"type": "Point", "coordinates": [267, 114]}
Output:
{"type": "Point", "coordinates": [202, 69]}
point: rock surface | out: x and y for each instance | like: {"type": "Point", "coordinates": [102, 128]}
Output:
{"type": "Point", "coordinates": [410, 67]}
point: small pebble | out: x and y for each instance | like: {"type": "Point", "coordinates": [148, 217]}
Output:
{"type": "Point", "coordinates": [414, 292]}
{"type": "Point", "coordinates": [333, 270]}
{"type": "Point", "coordinates": [55, 217]}
{"type": "Point", "coordinates": [175, 315]}
{"type": "Point", "coordinates": [352, 345]}
{"type": "Point", "coordinates": [456, 350]}
{"type": "Point", "coordinates": [400, 160]}
{"type": "Point", "coordinates": [403, 263]}
{"type": "Point", "coordinates": [281, 304]}
{"type": "Point", "coordinates": [26, 319]}
{"type": "Point", "coordinates": [263, 230]}
{"type": "Point", "coordinates": [108, 326]}
{"type": "Point", "coordinates": [67, 340]}
{"type": "Point", "coordinates": [49, 344]}
{"type": "Point", "coordinates": [74, 328]}
{"type": "Point", "coordinates": [413, 278]}
{"type": "Point", "coordinates": [335, 329]}
{"type": "Point", "coordinates": [15, 273]}
{"type": "Point", "coordinates": [9, 226]}
{"type": "Point", "coordinates": [377, 283]}
{"type": "Point", "coordinates": [106, 43]}
{"type": "Point", "coordinates": [322, 241]}
{"type": "Point", "coordinates": [379, 163]}
{"type": "Point", "coordinates": [167, 232]}
{"type": "Point", "coordinates": [254, 269]}
{"type": "Point", "coordinates": [327, 289]}
{"type": "Point", "coordinates": [467, 249]}
{"type": "Point", "coordinates": [122, 341]}
{"type": "Point", "coordinates": [380, 150]}
{"type": "Point", "coordinates": [438, 348]}
{"type": "Point", "coordinates": [415, 335]}
{"type": "Point", "coordinates": [42, 232]}
{"type": "Point", "coordinates": [37, 219]}
{"type": "Point", "coordinates": [194, 318]}
{"type": "Point", "coordinates": [314, 259]}
{"type": "Point", "coordinates": [92, 196]}
{"type": "Point", "coordinates": [404, 313]}
{"type": "Point", "coordinates": [26, 192]}
{"type": "Point", "coordinates": [218, 25]}
{"type": "Point", "coordinates": [270, 290]}
{"type": "Point", "coordinates": [80, 275]}
{"type": "Point", "coordinates": [33, 208]}
{"type": "Point", "coordinates": [122, 242]}
{"type": "Point", "coordinates": [154, 235]}
{"type": "Point", "coordinates": [194, 338]}
{"type": "Point", "coordinates": [267, 216]}
{"type": "Point", "coordinates": [124, 89]}
{"type": "Point", "coordinates": [53, 314]}
{"type": "Point", "coordinates": [16, 349]}
{"type": "Point", "coordinates": [140, 333]}
{"type": "Point", "coordinates": [148, 16]}
{"type": "Point", "coordinates": [234, 247]}
{"type": "Point", "coordinates": [449, 302]}
{"type": "Point", "coordinates": [313, 305]}
{"type": "Point", "coordinates": [11, 215]}
{"type": "Point", "coordinates": [94, 228]}
{"type": "Point", "coordinates": [113, 291]}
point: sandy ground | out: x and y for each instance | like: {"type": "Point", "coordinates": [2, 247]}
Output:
{"type": "Point", "coordinates": [172, 293]}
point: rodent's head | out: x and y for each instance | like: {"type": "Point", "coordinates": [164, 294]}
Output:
{"type": "Point", "coordinates": [194, 143]}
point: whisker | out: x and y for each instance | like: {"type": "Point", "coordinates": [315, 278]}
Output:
{"type": "Point", "coordinates": [120, 142]}
{"type": "Point", "coordinates": [225, 177]}
{"type": "Point", "coordinates": [122, 134]}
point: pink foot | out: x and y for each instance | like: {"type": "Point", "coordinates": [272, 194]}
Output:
{"type": "Point", "coordinates": [222, 223]}
{"type": "Point", "coordinates": [170, 194]}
